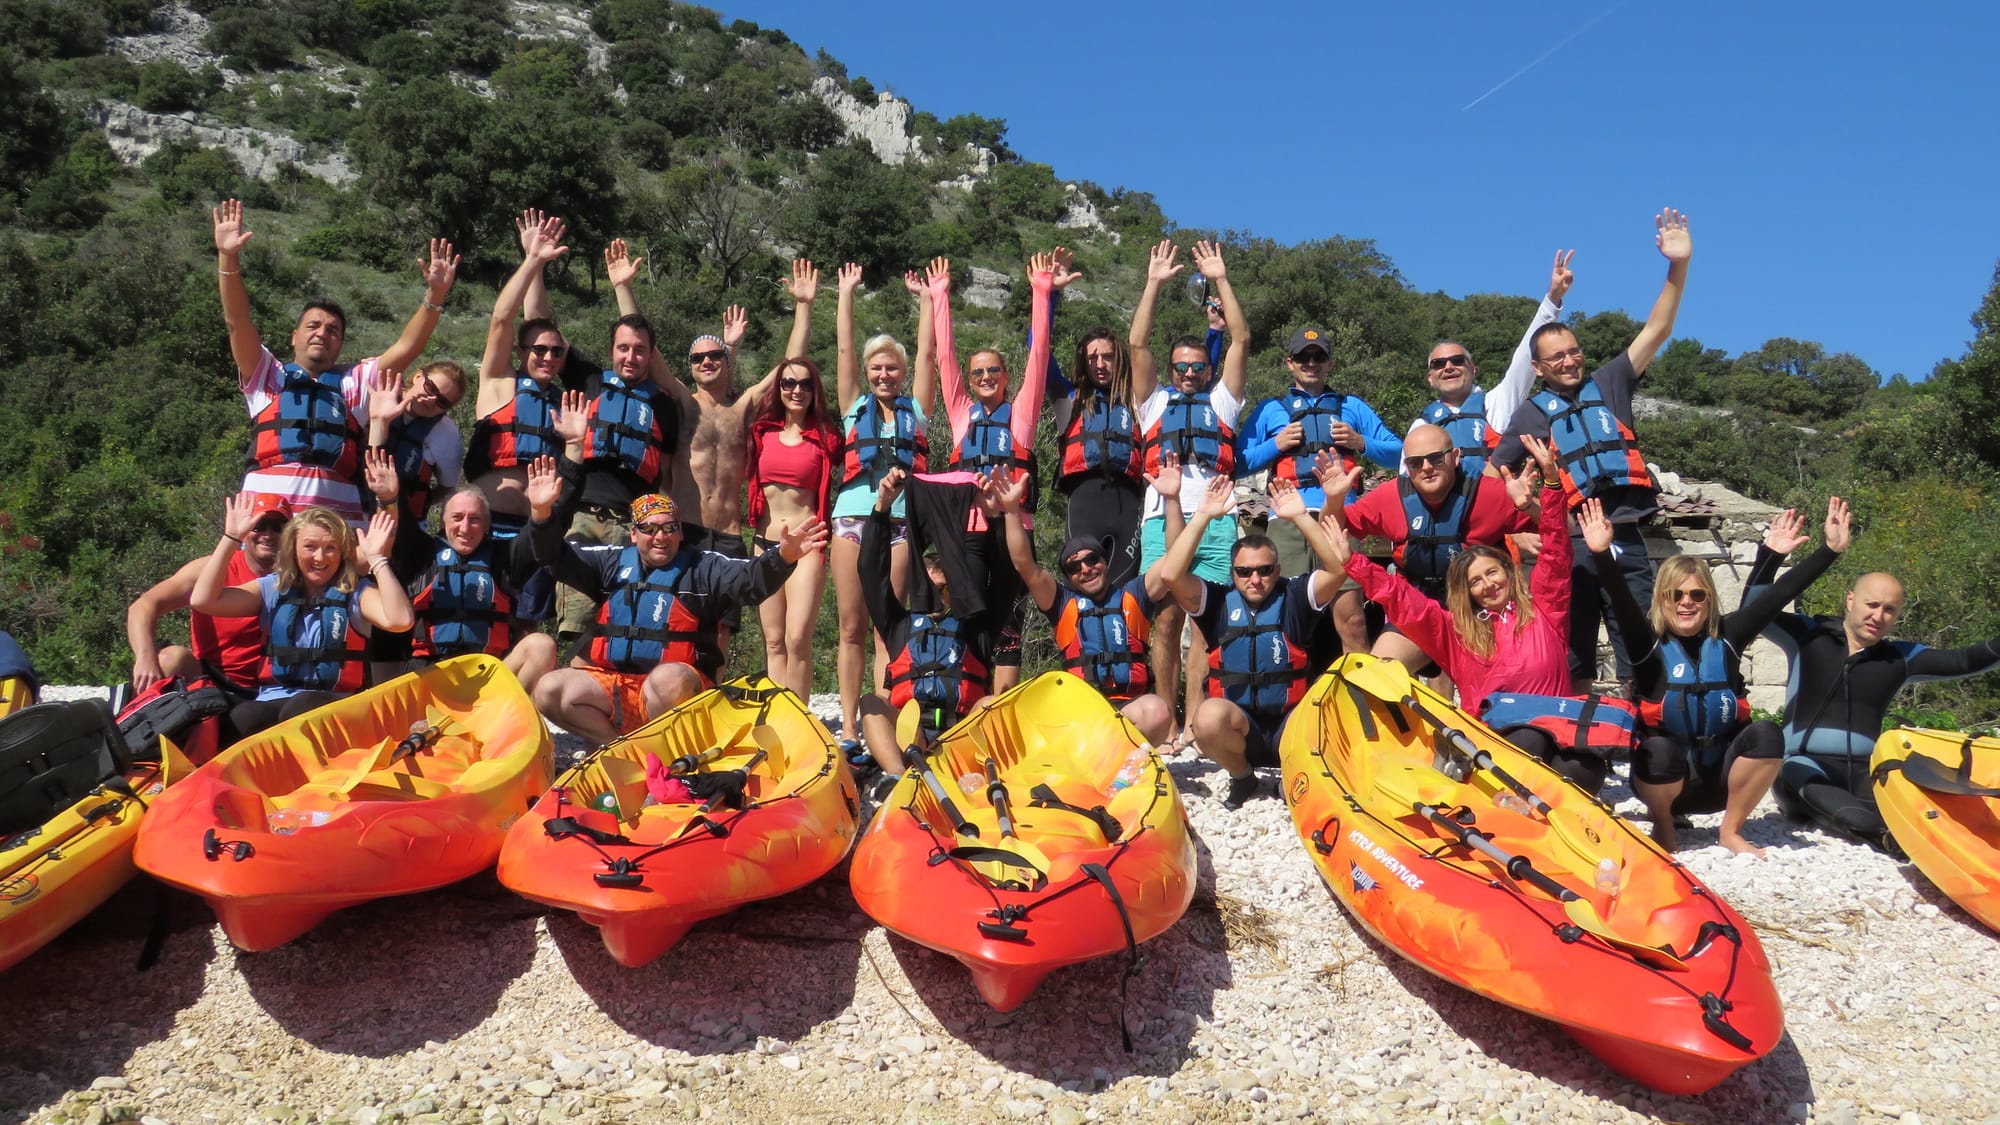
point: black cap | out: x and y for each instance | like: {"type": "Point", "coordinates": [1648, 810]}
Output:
{"type": "Point", "coordinates": [1307, 338]}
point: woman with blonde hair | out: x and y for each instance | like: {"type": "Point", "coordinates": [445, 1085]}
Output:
{"type": "Point", "coordinates": [329, 592]}
{"type": "Point", "coordinates": [1699, 749]}
{"type": "Point", "coordinates": [884, 412]}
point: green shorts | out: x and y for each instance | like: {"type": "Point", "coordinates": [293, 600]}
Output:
{"type": "Point", "coordinates": [1211, 558]}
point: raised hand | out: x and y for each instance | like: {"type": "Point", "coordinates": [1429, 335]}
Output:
{"type": "Point", "coordinates": [1010, 493]}
{"type": "Point", "coordinates": [1167, 482]}
{"type": "Point", "coordinates": [385, 396]}
{"type": "Point", "coordinates": [1286, 503]}
{"type": "Point", "coordinates": [1545, 459]}
{"type": "Point", "coordinates": [1673, 240]}
{"type": "Point", "coordinates": [572, 421]}
{"type": "Point", "coordinates": [796, 543]}
{"type": "Point", "coordinates": [804, 285]}
{"type": "Point", "coordinates": [848, 278]}
{"type": "Point", "coordinates": [1213, 308]}
{"type": "Point", "coordinates": [1561, 276]}
{"type": "Point", "coordinates": [239, 515]}
{"type": "Point", "coordinates": [736, 321]}
{"type": "Point", "coordinates": [1522, 487]}
{"type": "Point", "coordinates": [544, 487]}
{"type": "Point", "coordinates": [379, 472]}
{"type": "Point", "coordinates": [1596, 529]}
{"type": "Point", "coordinates": [914, 282]}
{"type": "Point", "coordinates": [441, 270]}
{"type": "Point", "coordinates": [1040, 263]}
{"type": "Point", "coordinates": [890, 488]}
{"type": "Point", "coordinates": [938, 276]}
{"type": "Point", "coordinates": [620, 267]}
{"type": "Point", "coordinates": [1839, 524]}
{"type": "Point", "coordinates": [531, 218]}
{"type": "Point", "coordinates": [1062, 265]}
{"type": "Point", "coordinates": [1335, 478]}
{"type": "Point", "coordinates": [375, 540]}
{"type": "Point", "coordinates": [231, 235]}
{"type": "Point", "coordinates": [541, 242]}
{"type": "Point", "coordinates": [1336, 536]}
{"type": "Point", "coordinates": [1220, 498]}
{"type": "Point", "coordinates": [1787, 532]}
{"type": "Point", "coordinates": [1160, 262]}
{"type": "Point", "coordinates": [1208, 259]}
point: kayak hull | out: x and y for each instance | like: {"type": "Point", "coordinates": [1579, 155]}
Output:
{"type": "Point", "coordinates": [1355, 769]}
{"type": "Point", "coordinates": [315, 814]}
{"type": "Point", "coordinates": [1056, 734]}
{"type": "Point", "coordinates": [800, 820]}
{"type": "Point", "coordinates": [1952, 837]}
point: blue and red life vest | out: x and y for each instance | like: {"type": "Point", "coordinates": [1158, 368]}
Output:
{"type": "Point", "coordinates": [1190, 427]}
{"type": "Point", "coordinates": [333, 662]}
{"type": "Point", "coordinates": [520, 431]}
{"type": "Point", "coordinates": [868, 453]}
{"type": "Point", "coordinates": [1106, 644]}
{"type": "Point", "coordinates": [1595, 450]}
{"type": "Point", "coordinates": [626, 426]}
{"type": "Point", "coordinates": [307, 423]}
{"type": "Point", "coordinates": [1603, 725]}
{"type": "Point", "coordinates": [937, 668]}
{"type": "Point", "coordinates": [466, 608]}
{"type": "Point", "coordinates": [414, 473]}
{"type": "Point", "coordinates": [1101, 441]}
{"type": "Point", "coordinates": [1252, 663]}
{"type": "Point", "coordinates": [1315, 414]}
{"type": "Point", "coordinates": [1466, 425]}
{"type": "Point", "coordinates": [642, 623]}
{"type": "Point", "coordinates": [1434, 537]}
{"type": "Point", "coordinates": [1701, 705]}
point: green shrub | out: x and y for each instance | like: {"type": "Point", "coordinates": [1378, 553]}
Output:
{"type": "Point", "coordinates": [168, 87]}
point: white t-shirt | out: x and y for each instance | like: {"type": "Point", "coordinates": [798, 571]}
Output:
{"type": "Point", "coordinates": [1194, 478]}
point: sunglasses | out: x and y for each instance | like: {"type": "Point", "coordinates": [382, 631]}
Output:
{"type": "Point", "coordinates": [1696, 596]}
{"type": "Point", "coordinates": [1191, 368]}
{"type": "Point", "coordinates": [1267, 570]}
{"type": "Point", "coordinates": [1557, 357]}
{"type": "Point", "coordinates": [794, 384]}
{"type": "Point", "coordinates": [430, 390]}
{"type": "Point", "coordinates": [996, 371]}
{"type": "Point", "coordinates": [716, 356]}
{"type": "Point", "coordinates": [1088, 558]}
{"type": "Point", "coordinates": [272, 526]}
{"type": "Point", "coordinates": [544, 351]}
{"type": "Point", "coordinates": [1444, 361]}
{"type": "Point", "coordinates": [671, 527]}
{"type": "Point", "coordinates": [1309, 359]}
{"type": "Point", "coordinates": [1426, 460]}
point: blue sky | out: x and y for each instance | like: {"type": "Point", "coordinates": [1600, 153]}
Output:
{"type": "Point", "coordinates": [1837, 160]}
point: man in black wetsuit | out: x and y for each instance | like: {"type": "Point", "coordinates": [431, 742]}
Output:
{"type": "Point", "coordinates": [1845, 670]}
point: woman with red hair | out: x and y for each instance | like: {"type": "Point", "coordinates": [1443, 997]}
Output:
{"type": "Point", "coordinates": [795, 447]}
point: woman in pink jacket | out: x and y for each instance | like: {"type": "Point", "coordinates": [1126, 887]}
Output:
{"type": "Point", "coordinates": [1484, 636]}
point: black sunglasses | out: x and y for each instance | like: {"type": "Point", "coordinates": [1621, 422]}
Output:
{"type": "Point", "coordinates": [1444, 361]}
{"type": "Point", "coordinates": [1434, 460]}
{"type": "Point", "coordinates": [716, 356]}
{"type": "Point", "coordinates": [544, 351]}
{"type": "Point", "coordinates": [1265, 571]}
{"type": "Point", "coordinates": [1190, 368]}
{"type": "Point", "coordinates": [652, 529]}
{"type": "Point", "coordinates": [794, 384]}
{"type": "Point", "coordinates": [1088, 558]}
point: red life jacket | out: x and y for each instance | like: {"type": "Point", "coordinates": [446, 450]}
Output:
{"type": "Point", "coordinates": [642, 623]}
{"type": "Point", "coordinates": [233, 646]}
{"type": "Point", "coordinates": [307, 423]}
{"type": "Point", "coordinates": [518, 432]}
{"type": "Point", "coordinates": [1102, 440]}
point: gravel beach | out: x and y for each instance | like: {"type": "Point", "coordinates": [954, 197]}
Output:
{"type": "Point", "coordinates": [1264, 1004]}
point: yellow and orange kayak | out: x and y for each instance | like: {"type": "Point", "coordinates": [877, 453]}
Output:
{"type": "Point", "coordinates": [53, 874]}
{"type": "Point", "coordinates": [15, 693]}
{"type": "Point", "coordinates": [1939, 793]}
{"type": "Point", "coordinates": [1482, 865]}
{"type": "Point", "coordinates": [644, 871]}
{"type": "Point", "coordinates": [401, 788]}
{"type": "Point", "coordinates": [1085, 863]}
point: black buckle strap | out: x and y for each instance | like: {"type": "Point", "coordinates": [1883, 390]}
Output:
{"type": "Point", "coordinates": [1043, 797]}
{"type": "Point", "coordinates": [1135, 960]}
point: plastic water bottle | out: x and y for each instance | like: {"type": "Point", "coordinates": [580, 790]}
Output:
{"type": "Point", "coordinates": [972, 783]}
{"type": "Point", "coordinates": [1607, 878]}
{"type": "Point", "coordinates": [606, 801]}
{"type": "Point", "coordinates": [284, 822]}
{"type": "Point", "coordinates": [1511, 802]}
{"type": "Point", "coordinates": [1134, 767]}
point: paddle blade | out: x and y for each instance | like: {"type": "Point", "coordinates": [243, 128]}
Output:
{"type": "Point", "coordinates": [1386, 680]}
{"type": "Point", "coordinates": [1581, 912]}
{"type": "Point", "coordinates": [1928, 773]}
{"type": "Point", "coordinates": [909, 724]}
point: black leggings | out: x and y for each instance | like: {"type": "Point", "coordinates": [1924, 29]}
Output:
{"type": "Point", "coordinates": [1663, 759]}
{"type": "Point", "coordinates": [1105, 508]}
{"type": "Point", "coordinates": [1587, 770]}
{"type": "Point", "coordinates": [1843, 799]}
{"type": "Point", "coordinates": [246, 719]}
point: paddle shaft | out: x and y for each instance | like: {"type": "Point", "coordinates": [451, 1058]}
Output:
{"type": "Point", "coordinates": [37, 849]}
{"type": "Point", "coordinates": [996, 792]}
{"type": "Point", "coordinates": [918, 760]}
{"type": "Point", "coordinates": [1518, 867]}
{"type": "Point", "coordinates": [709, 805]}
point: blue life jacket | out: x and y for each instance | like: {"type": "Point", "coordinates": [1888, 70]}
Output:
{"type": "Point", "coordinates": [1595, 450]}
{"type": "Point", "coordinates": [938, 668]}
{"type": "Point", "coordinates": [1466, 425]}
{"type": "Point", "coordinates": [1106, 643]}
{"type": "Point", "coordinates": [628, 426]}
{"type": "Point", "coordinates": [1435, 538]}
{"type": "Point", "coordinates": [518, 432]}
{"type": "Point", "coordinates": [868, 454]}
{"type": "Point", "coordinates": [407, 435]}
{"type": "Point", "coordinates": [1253, 664]}
{"type": "Point", "coordinates": [1315, 414]}
{"type": "Point", "coordinates": [466, 607]}
{"type": "Point", "coordinates": [1190, 427]}
{"type": "Point", "coordinates": [336, 662]}
{"type": "Point", "coordinates": [1603, 725]}
{"type": "Point", "coordinates": [1701, 706]}
{"type": "Point", "coordinates": [989, 443]}
{"type": "Point", "coordinates": [1102, 441]}
{"type": "Point", "coordinates": [642, 623]}
{"type": "Point", "coordinates": [307, 423]}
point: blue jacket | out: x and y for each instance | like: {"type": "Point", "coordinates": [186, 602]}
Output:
{"type": "Point", "coordinates": [1257, 440]}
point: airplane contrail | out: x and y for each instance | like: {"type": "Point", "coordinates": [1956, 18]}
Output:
{"type": "Point", "coordinates": [1544, 56]}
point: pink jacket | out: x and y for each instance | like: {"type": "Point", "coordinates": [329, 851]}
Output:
{"type": "Point", "coordinates": [958, 400]}
{"type": "Point", "coordinates": [1534, 659]}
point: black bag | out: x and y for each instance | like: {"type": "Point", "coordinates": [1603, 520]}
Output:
{"type": "Point", "coordinates": [51, 756]}
{"type": "Point", "coordinates": [169, 708]}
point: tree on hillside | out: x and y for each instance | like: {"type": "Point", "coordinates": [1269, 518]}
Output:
{"type": "Point", "coordinates": [712, 205]}
{"type": "Point", "coordinates": [1798, 378]}
{"type": "Point", "coordinates": [856, 209]}
{"type": "Point", "coordinates": [1971, 383]}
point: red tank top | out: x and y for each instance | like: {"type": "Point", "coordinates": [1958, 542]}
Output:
{"type": "Point", "coordinates": [233, 646]}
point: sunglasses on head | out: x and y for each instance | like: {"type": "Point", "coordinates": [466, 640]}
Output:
{"type": "Point", "coordinates": [715, 356]}
{"type": "Point", "coordinates": [1696, 595]}
{"type": "Point", "coordinates": [1439, 363]}
{"type": "Point", "coordinates": [1266, 570]}
{"type": "Point", "coordinates": [545, 351]}
{"type": "Point", "coordinates": [794, 384]}
{"type": "Point", "coordinates": [1422, 460]}
{"type": "Point", "coordinates": [1088, 558]}
{"type": "Point", "coordinates": [1195, 368]}
{"type": "Point", "coordinates": [668, 527]}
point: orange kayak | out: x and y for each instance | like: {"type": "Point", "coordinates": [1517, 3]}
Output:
{"type": "Point", "coordinates": [1088, 863]}
{"type": "Point", "coordinates": [1480, 864]}
{"type": "Point", "coordinates": [54, 873]}
{"type": "Point", "coordinates": [1939, 793]}
{"type": "Point", "coordinates": [642, 871]}
{"type": "Point", "coordinates": [354, 801]}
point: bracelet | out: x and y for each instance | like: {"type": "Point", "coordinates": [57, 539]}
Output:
{"type": "Point", "coordinates": [226, 273]}
{"type": "Point", "coordinates": [232, 539]}
{"type": "Point", "coordinates": [377, 565]}
{"type": "Point", "coordinates": [432, 305]}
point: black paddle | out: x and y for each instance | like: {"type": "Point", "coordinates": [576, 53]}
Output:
{"type": "Point", "coordinates": [914, 757]}
{"type": "Point", "coordinates": [996, 793]}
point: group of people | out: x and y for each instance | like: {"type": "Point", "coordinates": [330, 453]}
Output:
{"type": "Point", "coordinates": [613, 501]}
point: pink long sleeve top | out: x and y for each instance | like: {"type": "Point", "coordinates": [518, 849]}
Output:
{"type": "Point", "coordinates": [958, 401]}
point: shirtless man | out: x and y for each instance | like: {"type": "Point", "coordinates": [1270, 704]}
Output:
{"type": "Point", "coordinates": [707, 473]}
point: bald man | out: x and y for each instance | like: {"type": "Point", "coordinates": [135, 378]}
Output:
{"type": "Point", "coordinates": [1845, 671]}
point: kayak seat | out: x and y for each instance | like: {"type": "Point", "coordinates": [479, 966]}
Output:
{"type": "Point", "coordinates": [51, 755]}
